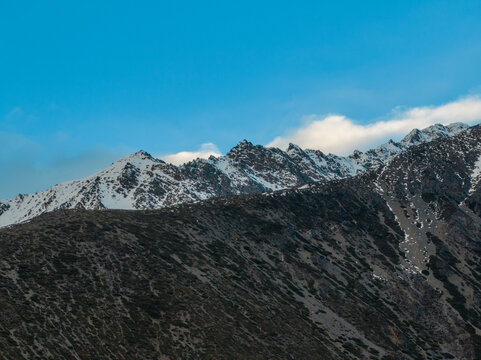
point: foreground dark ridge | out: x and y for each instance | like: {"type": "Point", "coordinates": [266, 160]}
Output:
{"type": "Point", "coordinates": [142, 182]}
{"type": "Point", "coordinates": [383, 265]}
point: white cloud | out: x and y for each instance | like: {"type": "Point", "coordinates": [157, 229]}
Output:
{"type": "Point", "coordinates": [183, 157]}
{"type": "Point", "coordinates": [341, 135]}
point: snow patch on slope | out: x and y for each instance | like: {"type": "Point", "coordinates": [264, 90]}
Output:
{"type": "Point", "coordinates": [475, 175]}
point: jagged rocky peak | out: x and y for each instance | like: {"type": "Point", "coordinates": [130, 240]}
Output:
{"type": "Point", "coordinates": [3, 207]}
{"type": "Point", "coordinates": [242, 145]}
{"type": "Point", "coordinates": [356, 154]}
{"type": "Point", "coordinates": [296, 153]}
{"type": "Point", "coordinates": [143, 162]}
{"type": "Point", "coordinates": [293, 148]}
{"type": "Point", "coordinates": [457, 127]}
{"type": "Point", "coordinates": [241, 149]}
{"type": "Point", "coordinates": [143, 153]}
{"type": "Point", "coordinates": [139, 155]}
{"type": "Point", "coordinates": [247, 153]}
{"type": "Point", "coordinates": [391, 147]}
{"type": "Point", "coordinates": [416, 136]}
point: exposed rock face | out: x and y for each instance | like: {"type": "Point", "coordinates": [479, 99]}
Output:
{"type": "Point", "coordinates": [140, 181]}
{"type": "Point", "coordinates": [384, 265]}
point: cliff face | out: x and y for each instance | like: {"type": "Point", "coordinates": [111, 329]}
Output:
{"type": "Point", "coordinates": [381, 265]}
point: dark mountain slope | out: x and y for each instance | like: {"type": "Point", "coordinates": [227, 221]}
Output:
{"type": "Point", "coordinates": [224, 280]}
{"type": "Point", "coordinates": [382, 265]}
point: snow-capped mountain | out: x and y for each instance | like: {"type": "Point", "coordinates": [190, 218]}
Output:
{"type": "Point", "coordinates": [140, 181]}
{"type": "Point", "coordinates": [383, 265]}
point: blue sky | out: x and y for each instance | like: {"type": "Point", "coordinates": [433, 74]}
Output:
{"type": "Point", "coordinates": [84, 83]}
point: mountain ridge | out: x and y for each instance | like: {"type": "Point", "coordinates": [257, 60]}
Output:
{"type": "Point", "coordinates": [140, 181]}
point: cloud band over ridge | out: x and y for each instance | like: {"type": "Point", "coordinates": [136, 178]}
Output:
{"type": "Point", "coordinates": [340, 135]}
{"type": "Point", "coordinates": [183, 157]}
